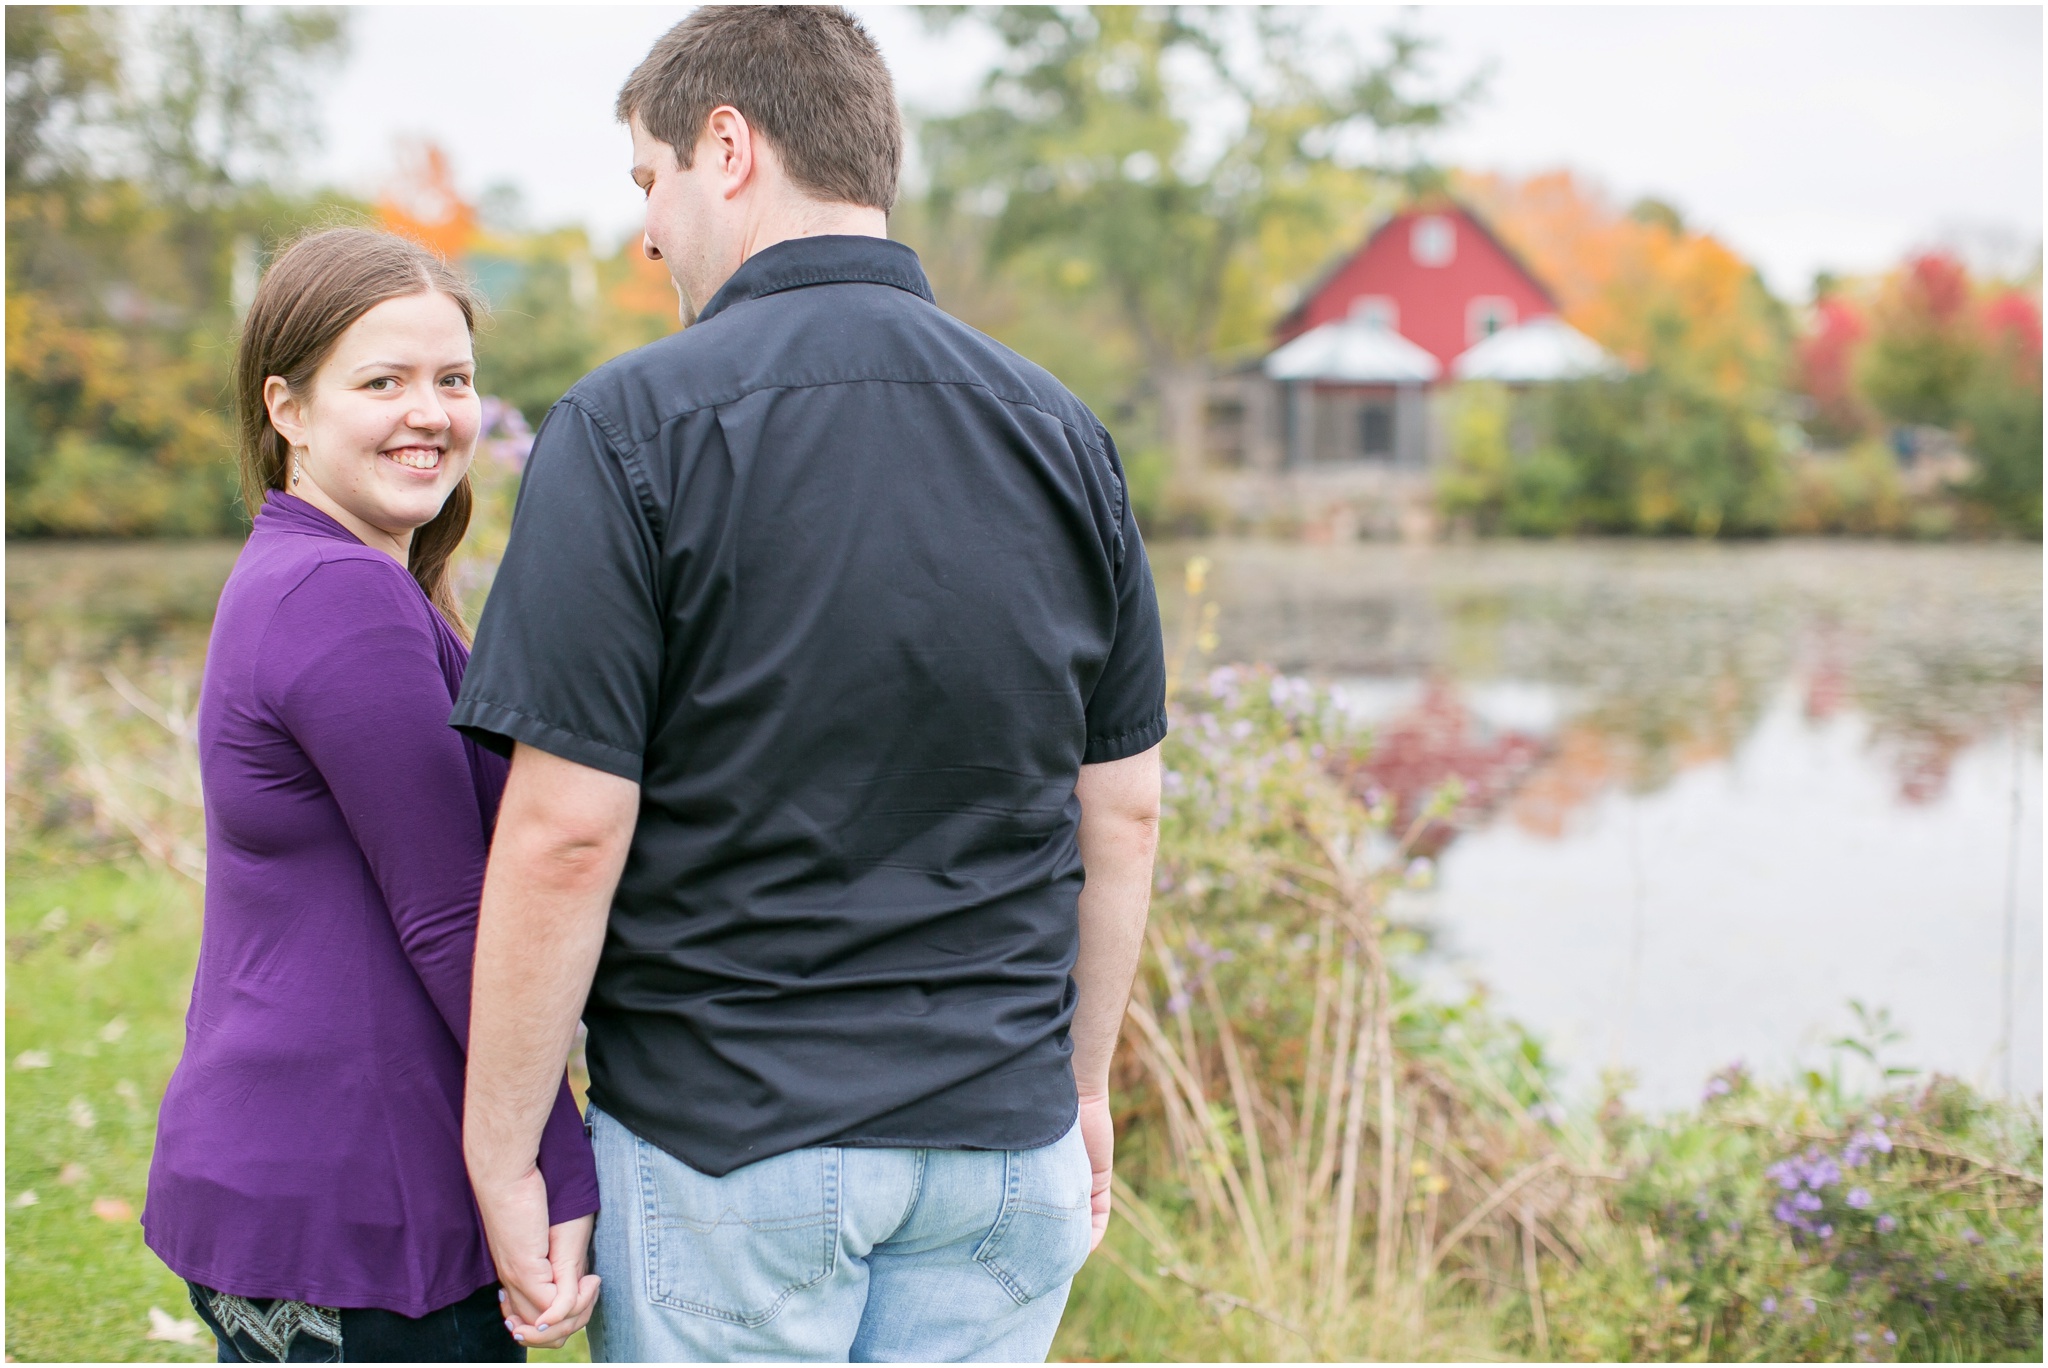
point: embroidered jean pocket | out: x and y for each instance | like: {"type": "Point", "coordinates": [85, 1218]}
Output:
{"type": "Point", "coordinates": [736, 1248]}
{"type": "Point", "coordinates": [1041, 1239]}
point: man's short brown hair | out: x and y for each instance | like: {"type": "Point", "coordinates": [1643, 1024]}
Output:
{"type": "Point", "coordinates": [807, 77]}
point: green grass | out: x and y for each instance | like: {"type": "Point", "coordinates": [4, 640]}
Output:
{"type": "Point", "coordinates": [80, 1285]}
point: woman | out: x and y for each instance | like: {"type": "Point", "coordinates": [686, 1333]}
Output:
{"type": "Point", "coordinates": [308, 1181]}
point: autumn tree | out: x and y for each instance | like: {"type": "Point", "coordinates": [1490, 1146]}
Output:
{"type": "Point", "coordinates": [1152, 158]}
{"type": "Point", "coordinates": [1690, 441]}
{"type": "Point", "coordinates": [1827, 369]}
{"type": "Point", "coordinates": [142, 150]}
{"type": "Point", "coordinates": [1924, 344]}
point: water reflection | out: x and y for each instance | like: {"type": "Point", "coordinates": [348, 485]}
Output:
{"type": "Point", "coordinates": [1712, 792]}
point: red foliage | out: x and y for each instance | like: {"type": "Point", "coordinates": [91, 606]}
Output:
{"type": "Point", "coordinates": [1937, 286]}
{"type": "Point", "coordinates": [2013, 322]}
{"type": "Point", "coordinates": [1827, 356]}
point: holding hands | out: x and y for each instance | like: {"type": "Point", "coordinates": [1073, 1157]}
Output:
{"type": "Point", "coordinates": [545, 1292]}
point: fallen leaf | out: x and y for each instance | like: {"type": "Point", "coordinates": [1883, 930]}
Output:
{"type": "Point", "coordinates": [71, 1175]}
{"type": "Point", "coordinates": [113, 1030]}
{"type": "Point", "coordinates": [32, 1059]}
{"type": "Point", "coordinates": [27, 1198]}
{"type": "Point", "coordinates": [53, 921]}
{"type": "Point", "coordinates": [162, 1326]}
{"type": "Point", "coordinates": [112, 1209]}
{"type": "Point", "coordinates": [126, 1092]}
{"type": "Point", "coordinates": [81, 1114]}
{"type": "Point", "coordinates": [97, 954]}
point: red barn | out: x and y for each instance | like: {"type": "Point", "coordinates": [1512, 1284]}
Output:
{"type": "Point", "coordinates": [1431, 297]}
{"type": "Point", "coordinates": [1437, 276]}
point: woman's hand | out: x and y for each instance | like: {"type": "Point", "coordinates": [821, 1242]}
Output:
{"type": "Point", "coordinates": [575, 1289]}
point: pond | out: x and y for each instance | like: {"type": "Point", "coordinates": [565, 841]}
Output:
{"type": "Point", "coordinates": [1716, 792]}
{"type": "Point", "coordinates": [1719, 791]}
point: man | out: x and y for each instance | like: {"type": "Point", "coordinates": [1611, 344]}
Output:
{"type": "Point", "coordinates": [827, 656]}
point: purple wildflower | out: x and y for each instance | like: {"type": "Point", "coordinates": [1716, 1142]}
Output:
{"type": "Point", "coordinates": [1858, 1197]}
{"type": "Point", "coordinates": [1770, 1305]}
{"type": "Point", "coordinates": [1718, 1086]}
{"type": "Point", "coordinates": [1806, 1201]}
{"type": "Point", "coordinates": [1886, 1225]}
{"type": "Point", "coordinates": [1826, 1231]}
{"type": "Point", "coordinates": [1863, 1337]}
{"type": "Point", "coordinates": [1972, 1237]}
{"type": "Point", "coordinates": [1807, 1303]}
{"type": "Point", "coordinates": [1177, 1004]}
{"type": "Point", "coordinates": [1891, 1337]}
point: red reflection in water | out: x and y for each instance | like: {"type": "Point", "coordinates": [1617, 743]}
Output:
{"type": "Point", "coordinates": [1440, 739]}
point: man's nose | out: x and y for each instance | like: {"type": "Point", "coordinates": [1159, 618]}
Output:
{"type": "Point", "coordinates": [647, 245]}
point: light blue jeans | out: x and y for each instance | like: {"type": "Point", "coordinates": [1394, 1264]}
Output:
{"type": "Point", "coordinates": [837, 1255]}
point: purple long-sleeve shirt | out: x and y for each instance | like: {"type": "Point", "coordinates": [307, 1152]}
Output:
{"type": "Point", "coordinates": [310, 1142]}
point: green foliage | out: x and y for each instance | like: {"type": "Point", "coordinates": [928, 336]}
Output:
{"type": "Point", "coordinates": [1857, 492]}
{"type": "Point", "coordinates": [1652, 454]}
{"type": "Point", "coordinates": [1924, 348]}
{"type": "Point", "coordinates": [1779, 1224]}
{"type": "Point", "coordinates": [2001, 423]}
{"type": "Point", "coordinates": [540, 338]}
{"type": "Point", "coordinates": [1086, 155]}
{"type": "Point", "coordinates": [137, 205]}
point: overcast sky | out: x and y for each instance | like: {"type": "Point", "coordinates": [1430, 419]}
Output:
{"type": "Point", "coordinates": [1817, 138]}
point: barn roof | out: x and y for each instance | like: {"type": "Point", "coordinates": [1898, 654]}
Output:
{"type": "Point", "coordinates": [1445, 204]}
{"type": "Point", "coordinates": [1537, 352]}
{"type": "Point", "coordinates": [1353, 352]}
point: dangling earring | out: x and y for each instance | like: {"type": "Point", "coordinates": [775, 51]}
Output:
{"type": "Point", "coordinates": [298, 471]}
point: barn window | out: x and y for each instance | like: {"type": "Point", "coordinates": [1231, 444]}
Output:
{"type": "Point", "coordinates": [1376, 311]}
{"type": "Point", "coordinates": [1486, 316]}
{"type": "Point", "coordinates": [1376, 428]}
{"type": "Point", "coordinates": [1432, 241]}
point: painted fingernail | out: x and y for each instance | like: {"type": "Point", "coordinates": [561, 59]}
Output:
{"type": "Point", "coordinates": [542, 1327]}
{"type": "Point", "coordinates": [508, 1322]}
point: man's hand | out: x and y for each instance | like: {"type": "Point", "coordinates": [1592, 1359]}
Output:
{"type": "Point", "coordinates": [562, 834]}
{"type": "Point", "coordinates": [1099, 1134]}
{"type": "Point", "coordinates": [1119, 833]}
{"type": "Point", "coordinates": [575, 1290]}
{"type": "Point", "coordinates": [516, 1229]}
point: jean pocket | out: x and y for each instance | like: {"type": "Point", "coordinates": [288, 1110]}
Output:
{"type": "Point", "coordinates": [1041, 1239]}
{"type": "Point", "coordinates": [736, 1248]}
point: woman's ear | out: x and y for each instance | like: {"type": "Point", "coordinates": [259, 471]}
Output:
{"type": "Point", "coordinates": [287, 413]}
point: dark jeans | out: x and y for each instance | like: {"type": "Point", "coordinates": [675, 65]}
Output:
{"type": "Point", "coordinates": [469, 1331]}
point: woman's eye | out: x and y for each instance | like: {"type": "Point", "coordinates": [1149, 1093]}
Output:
{"type": "Point", "coordinates": [456, 381]}
{"type": "Point", "coordinates": [382, 384]}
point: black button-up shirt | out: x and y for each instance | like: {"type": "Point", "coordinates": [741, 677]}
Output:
{"type": "Point", "coordinates": [852, 592]}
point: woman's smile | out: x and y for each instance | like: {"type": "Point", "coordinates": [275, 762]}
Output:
{"type": "Point", "coordinates": [426, 459]}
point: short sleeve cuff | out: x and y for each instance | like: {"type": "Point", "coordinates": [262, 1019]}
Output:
{"type": "Point", "coordinates": [495, 727]}
{"type": "Point", "coordinates": [1102, 749]}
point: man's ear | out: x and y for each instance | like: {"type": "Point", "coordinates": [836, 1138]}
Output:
{"type": "Point", "coordinates": [287, 413]}
{"type": "Point", "coordinates": [730, 139]}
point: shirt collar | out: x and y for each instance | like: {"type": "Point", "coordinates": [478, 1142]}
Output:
{"type": "Point", "coordinates": [831, 260]}
{"type": "Point", "coordinates": [282, 512]}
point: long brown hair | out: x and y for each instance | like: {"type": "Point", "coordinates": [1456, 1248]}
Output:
{"type": "Point", "coordinates": [316, 288]}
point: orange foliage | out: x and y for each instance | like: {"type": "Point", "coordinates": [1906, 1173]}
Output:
{"type": "Point", "coordinates": [1638, 286]}
{"type": "Point", "coordinates": [646, 287]}
{"type": "Point", "coordinates": [423, 204]}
